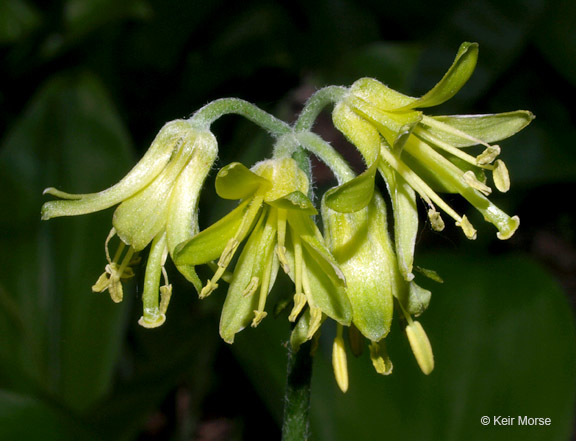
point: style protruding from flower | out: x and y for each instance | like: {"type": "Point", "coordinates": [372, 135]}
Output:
{"type": "Point", "coordinates": [158, 204]}
{"type": "Point", "coordinates": [274, 220]}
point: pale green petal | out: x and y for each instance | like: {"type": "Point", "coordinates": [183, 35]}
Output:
{"type": "Point", "coordinates": [380, 95]}
{"type": "Point", "coordinates": [405, 218]}
{"type": "Point", "coordinates": [295, 201]}
{"type": "Point", "coordinates": [466, 130]}
{"type": "Point", "coordinates": [243, 294]}
{"type": "Point", "coordinates": [235, 181]}
{"type": "Point", "coordinates": [354, 194]}
{"type": "Point", "coordinates": [182, 221]}
{"type": "Point", "coordinates": [170, 137]}
{"type": "Point", "coordinates": [360, 244]}
{"type": "Point", "coordinates": [359, 132]}
{"type": "Point", "coordinates": [389, 123]}
{"type": "Point", "coordinates": [458, 74]}
{"type": "Point", "coordinates": [302, 225]}
{"type": "Point", "coordinates": [141, 217]}
{"type": "Point", "coordinates": [325, 294]}
{"type": "Point", "coordinates": [301, 332]}
{"type": "Point", "coordinates": [209, 244]}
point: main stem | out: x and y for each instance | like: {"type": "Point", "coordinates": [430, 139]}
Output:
{"type": "Point", "coordinates": [297, 395]}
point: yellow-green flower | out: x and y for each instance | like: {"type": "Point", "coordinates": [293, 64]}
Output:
{"type": "Point", "coordinates": [416, 153]}
{"type": "Point", "coordinates": [158, 204]}
{"type": "Point", "coordinates": [274, 220]}
{"type": "Point", "coordinates": [357, 235]}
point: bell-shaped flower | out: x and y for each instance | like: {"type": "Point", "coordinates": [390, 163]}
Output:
{"type": "Point", "coordinates": [274, 220]}
{"type": "Point", "coordinates": [356, 231]}
{"type": "Point", "coordinates": [158, 204]}
{"type": "Point", "coordinates": [425, 155]}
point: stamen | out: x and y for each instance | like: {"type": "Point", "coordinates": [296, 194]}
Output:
{"type": "Point", "coordinates": [467, 227]}
{"type": "Point", "coordinates": [421, 346]}
{"type": "Point", "coordinates": [470, 178]}
{"type": "Point", "coordinates": [315, 321]}
{"type": "Point", "coordinates": [299, 304]}
{"type": "Point", "coordinates": [417, 183]}
{"type": "Point", "coordinates": [339, 362]}
{"type": "Point", "coordinates": [251, 287]}
{"type": "Point", "coordinates": [436, 220]}
{"type": "Point", "coordinates": [380, 359]}
{"type": "Point", "coordinates": [280, 248]}
{"type": "Point", "coordinates": [501, 176]}
{"type": "Point", "coordinates": [264, 288]}
{"type": "Point", "coordinates": [488, 155]}
{"type": "Point", "coordinates": [431, 139]}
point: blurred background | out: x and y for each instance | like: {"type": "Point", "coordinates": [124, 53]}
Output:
{"type": "Point", "coordinates": [84, 87]}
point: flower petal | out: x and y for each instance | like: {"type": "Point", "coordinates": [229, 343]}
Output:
{"type": "Point", "coordinates": [235, 181]}
{"type": "Point", "coordinates": [354, 194]}
{"type": "Point", "coordinates": [358, 131]}
{"type": "Point", "coordinates": [466, 130]}
{"type": "Point", "coordinates": [380, 95]}
{"type": "Point", "coordinates": [209, 244]}
{"type": "Point", "coordinates": [170, 137]}
{"type": "Point", "coordinates": [295, 201]}
{"type": "Point", "coordinates": [453, 80]}
{"type": "Point", "coordinates": [243, 297]}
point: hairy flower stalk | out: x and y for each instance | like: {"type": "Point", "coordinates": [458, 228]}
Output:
{"type": "Point", "coordinates": [158, 204]}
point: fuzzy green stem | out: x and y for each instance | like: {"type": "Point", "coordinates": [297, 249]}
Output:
{"type": "Point", "coordinates": [316, 145]}
{"type": "Point", "coordinates": [297, 395]}
{"type": "Point", "coordinates": [205, 116]}
{"type": "Point", "coordinates": [316, 103]}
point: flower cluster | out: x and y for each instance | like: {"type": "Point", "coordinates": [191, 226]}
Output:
{"type": "Point", "coordinates": [355, 271]}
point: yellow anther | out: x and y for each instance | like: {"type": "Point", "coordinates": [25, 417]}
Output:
{"type": "Point", "coordinates": [281, 253]}
{"type": "Point", "coordinates": [228, 253]}
{"type": "Point", "coordinates": [207, 290]}
{"type": "Point", "coordinates": [299, 303]}
{"type": "Point", "coordinates": [165, 295]}
{"type": "Point", "coordinates": [501, 176]}
{"type": "Point", "coordinates": [315, 321]}
{"type": "Point", "coordinates": [467, 227]}
{"type": "Point", "coordinates": [251, 287]}
{"type": "Point", "coordinates": [339, 362]}
{"type": "Point", "coordinates": [420, 346]}
{"type": "Point", "coordinates": [436, 221]}
{"type": "Point", "coordinates": [488, 155]}
{"type": "Point", "coordinates": [380, 359]}
{"type": "Point", "coordinates": [258, 317]}
{"type": "Point", "coordinates": [470, 178]}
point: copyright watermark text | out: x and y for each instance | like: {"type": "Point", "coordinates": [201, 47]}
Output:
{"type": "Point", "coordinates": [499, 420]}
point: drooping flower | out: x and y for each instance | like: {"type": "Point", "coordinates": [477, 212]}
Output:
{"type": "Point", "coordinates": [158, 204]}
{"type": "Point", "coordinates": [424, 155]}
{"type": "Point", "coordinates": [274, 220]}
{"type": "Point", "coordinates": [357, 235]}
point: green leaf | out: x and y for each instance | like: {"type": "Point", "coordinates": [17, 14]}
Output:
{"type": "Point", "coordinates": [17, 19]}
{"type": "Point", "coordinates": [69, 338]}
{"type": "Point", "coordinates": [209, 244]}
{"type": "Point", "coordinates": [457, 75]}
{"type": "Point", "coordinates": [235, 181]}
{"type": "Point", "coordinates": [354, 194]}
{"type": "Point", "coordinates": [24, 417]}
{"type": "Point", "coordinates": [487, 128]}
